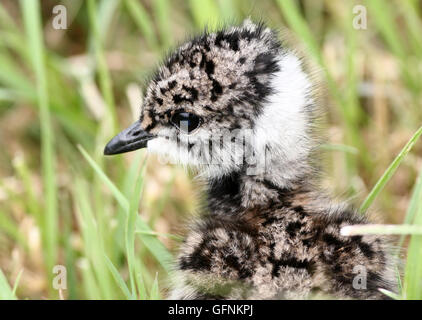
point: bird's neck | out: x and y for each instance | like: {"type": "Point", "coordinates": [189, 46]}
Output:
{"type": "Point", "coordinates": [238, 191]}
{"type": "Point", "coordinates": [282, 140]}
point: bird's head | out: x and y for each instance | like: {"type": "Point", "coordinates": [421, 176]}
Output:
{"type": "Point", "coordinates": [223, 100]}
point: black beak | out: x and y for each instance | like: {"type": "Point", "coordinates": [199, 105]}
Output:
{"type": "Point", "coordinates": [132, 138]}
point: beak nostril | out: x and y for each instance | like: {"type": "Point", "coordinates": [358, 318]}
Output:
{"type": "Point", "coordinates": [137, 132]}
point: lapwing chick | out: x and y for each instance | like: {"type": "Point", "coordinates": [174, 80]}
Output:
{"type": "Point", "coordinates": [238, 105]}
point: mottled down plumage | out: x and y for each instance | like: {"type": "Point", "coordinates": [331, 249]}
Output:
{"type": "Point", "coordinates": [267, 232]}
{"type": "Point", "coordinates": [289, 248]}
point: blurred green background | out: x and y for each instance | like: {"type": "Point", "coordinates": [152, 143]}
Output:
{"type": "Point", "coordinates": [64, 93]}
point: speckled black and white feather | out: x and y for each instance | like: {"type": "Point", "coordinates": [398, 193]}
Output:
{"type": "Point", "coordinates": [271, 234]}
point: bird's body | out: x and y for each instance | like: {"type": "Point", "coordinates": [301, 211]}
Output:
{"type": "Point", "coordinates": [287, 248]}
{"type": "Point", "coordinates": [268, 231]}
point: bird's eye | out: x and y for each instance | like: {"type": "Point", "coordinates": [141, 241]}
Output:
{"type": "Point", "coordinates": [185, 121]}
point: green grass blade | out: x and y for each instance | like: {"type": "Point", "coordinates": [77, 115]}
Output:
{"type": "Point", "coordinates": [380, 229]}
{"type": "Point", "coordinates": [340, 147]}
{"type": "Point", "coordinates": [413, 204]}
{"type": "Point", "coordinates": [141, 287]}
{"type": "Point", "coordinates": [32, 20]}
{"type": "Point", "coordinates": [103, 72]}
{"type": "Point", "coordinates": [155, 292]}
{"type": "Point", "coordinates": [142, 19]}
{"type": "Point", "coordinates": [15, 286]}
{"type": "Point", "coordinates": [413, 271]}
{"type": "Point", "coordinates": [160, 234]}
{"type": "Point", "coordinates": [157, 249]}
{"type": "Point", "coordinates": [24, 174]}
{"type": "Point", "coordinates": [121, 199]}
{"type": "Point", "coordinates": [390, 294]}
{"type": "Point", "coordinates": [141, 273]}
{"type": "Point", "coordinates": [119, 280]}
{"type": "Point", "coordinates": [88, 280]}
{"type": "Point", "coordinates": [106, 11]}
{"type": "Point", "coordinates": [384, 17]}
{"type": "Point", "coordinates": [162, 8]}
{"type": "Point", "coordinates": [92, 238]}
{"type": "Point", "coordinates": [10, 228]}
{"type": "Point", "coordinates": [131, 226]}
{"type": "Point", "coordinates": [414, 23]}
{"type": "Point", "coordinates": [298, 24]}
{"type": "Point", "coordinates": [127, 189]}
{"type": "Point", "coordinates": [69, 257]}
{"type": "Point", "coordinates": [415, 199]}
{"type": "Point", "coordinates": [162, 201]}
{"type": "Point", "coordinates": [379, 186]}
{"type": "Point", "coordinates": [6, 293]}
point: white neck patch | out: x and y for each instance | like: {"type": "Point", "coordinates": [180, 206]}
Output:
{"type": "Point", "coordinates": [282, 127]}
